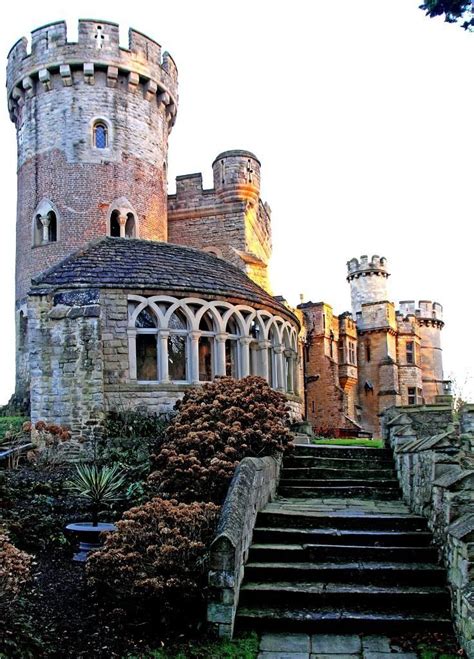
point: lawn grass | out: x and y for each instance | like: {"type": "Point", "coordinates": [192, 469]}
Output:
{"type": "Point", "coordinates": [10, 423]}
{"type": "Point", "coordinates": [352, 441]}
{"type": "Point", "coordinates": [245, 647]}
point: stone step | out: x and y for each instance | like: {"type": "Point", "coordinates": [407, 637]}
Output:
{"type": "Point", "coordinates": [336, 462]}
{"type": "Point", "coordinates": [383, 483]}
{"type": "Point", "coordinates": [345, 492]}
{"type": "Point", "coordinates": [266, 552]}
{"type": "Point", "coordinates": [317, 595]}
{"type": "Point", "coordinates": [369, 572]}
{"type": "Point", "coordinates": [330, 620]}
{"type": "Point", "coordinates": [359, 452]}
{"type": "Point", "coordinates": [340, 521]}
{"type": "Point", "coordinates": [332, 473]}
{"type": "Point", "coordinates": [342, 537]}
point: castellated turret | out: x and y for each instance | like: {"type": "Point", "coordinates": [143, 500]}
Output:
{"type": "Point", "coordinates": [428, 317]}
{"type": "Point", "coordinates": [368, 281]}
{"type": "Point", "coordinates": [237, 176]}
{"type": "Point", "coordinates": [92, 123]}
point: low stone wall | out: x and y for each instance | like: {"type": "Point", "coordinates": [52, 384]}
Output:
{"type": "Point", "coordinates": [437, 478]}
{"type": "Point", "coordinates": [254, 484]}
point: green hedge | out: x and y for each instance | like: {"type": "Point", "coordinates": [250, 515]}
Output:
{"type": "Point", "coordinates": [11, 423]}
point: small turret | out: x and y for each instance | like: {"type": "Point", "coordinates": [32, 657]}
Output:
{"type": "Point", "coordinates": [237, 176]}
{"type": "Point", "coordinates": [368, 281]}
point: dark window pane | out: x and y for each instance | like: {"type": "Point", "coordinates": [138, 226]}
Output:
{"type": "Point", "coordinates": [177, 357]}
{"type": "Point", "coordinates": [178, 321]}
{"type": "Point", "coordinates": [231, 358]}
{"type": "Point", "coordinates": [146, 357]}
{"type": "Point", "coordinates": [115, 225]}
{"type": "Point", "coordinates": [146, 319]}
{"type": "Point", "coordinates": [205, 359]}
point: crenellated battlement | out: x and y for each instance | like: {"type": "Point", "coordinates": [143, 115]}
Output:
{"type": "Point", "coordinates": [53, 61]}
{"type": "Point", "coordinates": [425, 310]}
{"type": "Point", "coordinates": [363, 267]}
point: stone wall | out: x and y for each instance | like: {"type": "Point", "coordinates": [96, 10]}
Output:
{"type": "Point", "coordinates": [436, 473]}
{"type": "Point", "coordinates": [66, 361]}
{"type": "Point", "coordinates": [254, 484]}
{"type": "Point", "coordinates": [229, 219]}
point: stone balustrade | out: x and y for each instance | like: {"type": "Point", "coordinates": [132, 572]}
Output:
{"type": "Point", "coordinates": [436, 474]}
{"type": "Point", "coordinates": [254, 484]}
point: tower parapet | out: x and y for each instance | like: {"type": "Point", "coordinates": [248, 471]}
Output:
{"type": "Point", "coordinates": [368, 281]}
{"type": "Point", "coordinates": [426, 312]}
{"type": "Point", "coordinates": [52, 61]}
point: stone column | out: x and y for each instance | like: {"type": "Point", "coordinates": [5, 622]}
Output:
{"type": "Point", "coordinates": [290, 357]}
{"type": "Point", "coordinates": [45, 221]}
{"type": "Point", "coordinates": [245, 342]}
{"type": "Point", "coordinates": [194, 363]}
{"type": "Point", "coordinates": [132, 353]}
{"type": "Point", "coordinates": [122, 221]}
{"type": "Point", "coordinates": [220, 353]}
{"type": "Point", "coordinates": [163, 336]}
{"type": "Point", "coordinates": [263, 352]}
{"type": "Point", "coordinates": [279, 350]}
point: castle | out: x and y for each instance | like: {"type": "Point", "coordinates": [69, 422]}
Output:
{"type": "Point", "coordinates": [126, 296]}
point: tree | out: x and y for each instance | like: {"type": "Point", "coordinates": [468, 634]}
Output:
{"type": "Point", "coordinates": [454, 11]}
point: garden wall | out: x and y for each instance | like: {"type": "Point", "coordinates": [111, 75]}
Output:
{"type": "Point", "coordinates": [254, 484]}
{"type": "Point", "coordinates": [436, 473]}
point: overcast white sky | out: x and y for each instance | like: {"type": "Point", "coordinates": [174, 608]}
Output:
{"type": "Point", "coordinates": [361, 115]}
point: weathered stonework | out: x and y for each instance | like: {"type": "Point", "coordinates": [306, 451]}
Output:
{"type": "Point", "coordinates": [379, 358]}
{"type": "Point", "coordinates": [253, 486]}
{"type": "Point", "coordinates": [436, 473]}
{"type": "Point", "coordinates": [230, 219]}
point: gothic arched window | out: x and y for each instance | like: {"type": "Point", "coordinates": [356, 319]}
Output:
{"type": "Point", "coordinates": [45, 229]}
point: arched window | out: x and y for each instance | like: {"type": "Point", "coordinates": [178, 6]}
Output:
{"type": "Point", "coordinates": [146, 346]}
{"type": "Point", "coordinates": [178, 347]}
{"type": "Point", "coordinates": [206, 348]}
{"type": "Point", "coordinates": [45, 228]}
{"type": "Point", "coordinates": [100, 135]}
{"type": "Point", "coordinates": [232, 349]}
{"type": "Point", "coordinates": [130, 226]}
{"type": "Point", "coordinates": [115, 224]}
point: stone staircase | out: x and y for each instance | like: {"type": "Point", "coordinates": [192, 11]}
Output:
{"type": "Point", "coordinates": [338, 551]}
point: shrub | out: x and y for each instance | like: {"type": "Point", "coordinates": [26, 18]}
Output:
{"type": "Point", "coordinates": [15, 567]}
{"type": "Point", "coordinates": [53, 445]}
{"type": "Point", "coordinates": [217, 426]}
{"type": "Point", "coordinates": [137, 423]}
{"type": "Point", "coordinates": [155, 564]}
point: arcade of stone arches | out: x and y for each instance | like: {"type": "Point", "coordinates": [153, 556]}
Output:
{"type": "Point", "coordinates": [191, 340]}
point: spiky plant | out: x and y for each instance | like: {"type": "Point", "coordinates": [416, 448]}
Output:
{"type": "Point", "coordinates": [100, 485]}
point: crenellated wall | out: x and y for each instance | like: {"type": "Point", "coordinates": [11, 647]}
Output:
{"type": "Point", "coordinates": [230, 219]}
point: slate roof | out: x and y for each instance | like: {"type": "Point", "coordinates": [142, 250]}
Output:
{"type": "Point", "coordinates": [132, 263]}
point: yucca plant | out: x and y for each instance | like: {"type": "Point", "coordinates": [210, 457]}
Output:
{"type": "Point", "coordinates": [100, 485]}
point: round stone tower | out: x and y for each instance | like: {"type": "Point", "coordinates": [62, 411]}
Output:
{"type": "Point", "coordinates": [92, 123]}
{"type": "Point", "coordinates": [368, 281]}
{"type": "Point", "coordinates": [237, 176]}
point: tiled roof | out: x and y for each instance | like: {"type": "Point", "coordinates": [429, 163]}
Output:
{"type": "Point", "coordinates": [132, 263]}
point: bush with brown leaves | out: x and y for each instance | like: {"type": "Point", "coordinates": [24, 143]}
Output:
{"type": "Point", "coordinates": [15, 568]}
{"type": "Point", "coordinates": [216, 426]}
{"type": "Point", "coordinates": [155, 564]}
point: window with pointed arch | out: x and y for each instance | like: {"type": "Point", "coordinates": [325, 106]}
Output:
{"type": "Point", "coordinates": [178, 347]}
{"type": "Point", "coordinates": [100, 135]}
{"type": "Point", "coordinates": [45, 228]}
{"type": "Point", "coordinates": [232, 353]}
